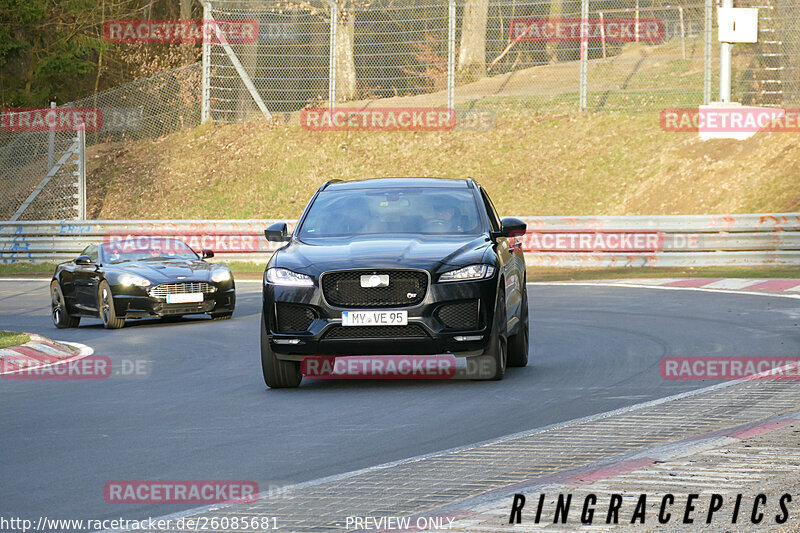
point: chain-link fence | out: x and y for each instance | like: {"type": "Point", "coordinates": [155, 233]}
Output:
{"type": "Point", "coordinates": [504, 55]}
{"type": "Point", "coordinates": [145, 109]}
{"type": "Point", "coordinates": [500, 56]}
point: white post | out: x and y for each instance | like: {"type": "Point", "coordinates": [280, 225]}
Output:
{"type": "Point", "coordinates": [683, 33]}
{"type": "Point", "coordinates": [584, 66]}
{"type": "Point", "coordinates": [637, 21]}
{"type": "Point", "coordinates": [205, 108]}
{"type": "Point", "coordinates": [725, 64]}
{"type": "Point", "coordinates": [332, 56]}
{"type": "Point", "coordinates": [451, 54]}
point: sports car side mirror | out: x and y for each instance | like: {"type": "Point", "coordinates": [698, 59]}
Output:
{"type": "Point", "coordinates": [83, 260]}
{"type": "Point", "coordinates": [207, 254]}
{"type": "Point", "coordinates": [277, 232]}
{"type": "Point", "coordinates": [511, 227]}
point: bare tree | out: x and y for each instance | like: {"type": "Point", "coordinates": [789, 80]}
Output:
{"type": "Point", "coordinates": [472, 52]}
{"type": "Point", "coordinates": [346, 88]}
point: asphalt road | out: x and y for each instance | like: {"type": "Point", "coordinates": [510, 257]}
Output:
{"type": "Point", "coordinates": [204, 412]}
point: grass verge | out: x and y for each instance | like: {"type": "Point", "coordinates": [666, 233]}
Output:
{"type": "Point", "coordinates": [12, 338]}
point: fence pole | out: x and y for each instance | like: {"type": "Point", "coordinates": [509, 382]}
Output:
{"type": "Point", "coordinates": [51, 144]}
{"type": "Point", "coordinates": [451, 53]}
{"type": "Point", "coordinates": [205, 109]}
{"type": "Point", "coordinates": [332, 57]}
{"type": "Point", "coordinates": [683, 33]}
{"type": "Point", "coordinates": [81, 174]}
{"type": "Point", "coordinates": [725, 64]}
{"type": "Point", "coordinates": [584, 56]}
{"type": "Point", "coordinates": [707, 31]}
{"type": "Point", "coordinates": [602, 33]}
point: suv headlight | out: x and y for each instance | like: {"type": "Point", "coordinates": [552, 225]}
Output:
{"type": "Point", "coordinates": [133, 279]}
{"type": "Point", "coordinates": [221, 274]}
{"type": "Point", "coordinates": [470, 272]}
{"type": "Point", "coordinates": [283, 276]}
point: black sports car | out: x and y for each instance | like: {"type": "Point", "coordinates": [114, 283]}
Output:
{"type": "Point", "coordinates": [395, 266]}
{"type": "Point", "coordinates": [140, 277]}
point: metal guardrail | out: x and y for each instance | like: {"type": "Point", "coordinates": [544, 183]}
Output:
{"type": "Point", "coordinates": [589, 241]}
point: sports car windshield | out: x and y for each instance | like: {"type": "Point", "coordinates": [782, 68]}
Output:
{"type": "Point", "coordinates": [392, 211]}
{"type": "Point", "coordinates": [135, 248]}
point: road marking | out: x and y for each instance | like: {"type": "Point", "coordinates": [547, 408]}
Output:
{"type": "Point", "coordinates": [657, 287]}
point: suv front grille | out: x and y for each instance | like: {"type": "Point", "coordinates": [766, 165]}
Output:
{"type": "Point", "coordinates": [161, 291]}
{"type": "Point", "coordinates": [343, 288]}
{"type": "Point", "coordinates": [462, 315]}
{"type": "Point", "coordinates": [375, 332]}
{"type": "Point", "coordinates": [294, 318]}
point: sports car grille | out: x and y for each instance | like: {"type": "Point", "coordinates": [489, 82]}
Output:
{"type": "Point", "coordinates": [161, 291]}
{"type": "Point", "coordinates": [293, 318]}
{"type": "Point", "coordinates": [343, 288]}
{"type": "Point", "coordinates": [375, 332]}
{"type": "Point", "coordinates": [462, 315]}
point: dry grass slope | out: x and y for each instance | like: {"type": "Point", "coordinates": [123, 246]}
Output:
{"type": "Point", "coordinates": [532, 163]}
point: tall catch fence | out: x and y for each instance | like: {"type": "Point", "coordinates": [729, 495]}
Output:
{"type": "Point", "coordinates": [481, 58]}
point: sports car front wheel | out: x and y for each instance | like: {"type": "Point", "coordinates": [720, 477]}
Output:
{"type": "Point", "coordinates": [61, 318]}
{"type": "Point", "coordinates": [106, 304]}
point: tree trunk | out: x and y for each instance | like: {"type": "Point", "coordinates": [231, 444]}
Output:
{"type": "Point", "coordinates": [345, 60]}
{"type": "Point", "coordinates": [186, 9]}
{"type": "Point", "coordinates": [472, 52]}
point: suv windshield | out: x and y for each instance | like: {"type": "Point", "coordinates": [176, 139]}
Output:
{"type": "Point", "coordinates": [434, 211]}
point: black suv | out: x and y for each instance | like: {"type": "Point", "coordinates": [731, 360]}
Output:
{"type": "Point", "coordinates": [395, 266]}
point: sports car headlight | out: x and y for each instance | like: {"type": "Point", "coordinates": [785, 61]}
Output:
{"type": "Point", "coordinates": [468, 273]}
{"type": "Point", "coordinates": [133, 279]}
{"type": "Point", "coordinates": [220, 275]}
{"type": "Point", "coordinates": [283, 276]}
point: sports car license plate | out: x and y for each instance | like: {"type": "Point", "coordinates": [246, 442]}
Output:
{"type": "Point", "coordinates": [185, 298]}
{"type": "Point", "coordinates": [374, 318]}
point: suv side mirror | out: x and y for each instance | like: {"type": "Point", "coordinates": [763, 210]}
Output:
{"type": "Point", "coordinates": [511, 227]}
{"type": "Point", "coordinates": [83, 260]}
{"type": "Point", "coordinates": [208, 254]}
{"type": "Point", "coordinates": [277, 232]}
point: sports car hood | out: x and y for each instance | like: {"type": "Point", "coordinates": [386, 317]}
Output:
{"type": "Point", "coordinates": [163, 271]}
{"type": "Point", "coordinates": [431, 253]}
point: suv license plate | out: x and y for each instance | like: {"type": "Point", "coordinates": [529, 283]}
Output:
{"type": "Point", "coordinates": [374, 318]}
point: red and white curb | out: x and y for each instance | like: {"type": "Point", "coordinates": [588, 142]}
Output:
{"type": "Point", "coordinates": [41, 352]}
